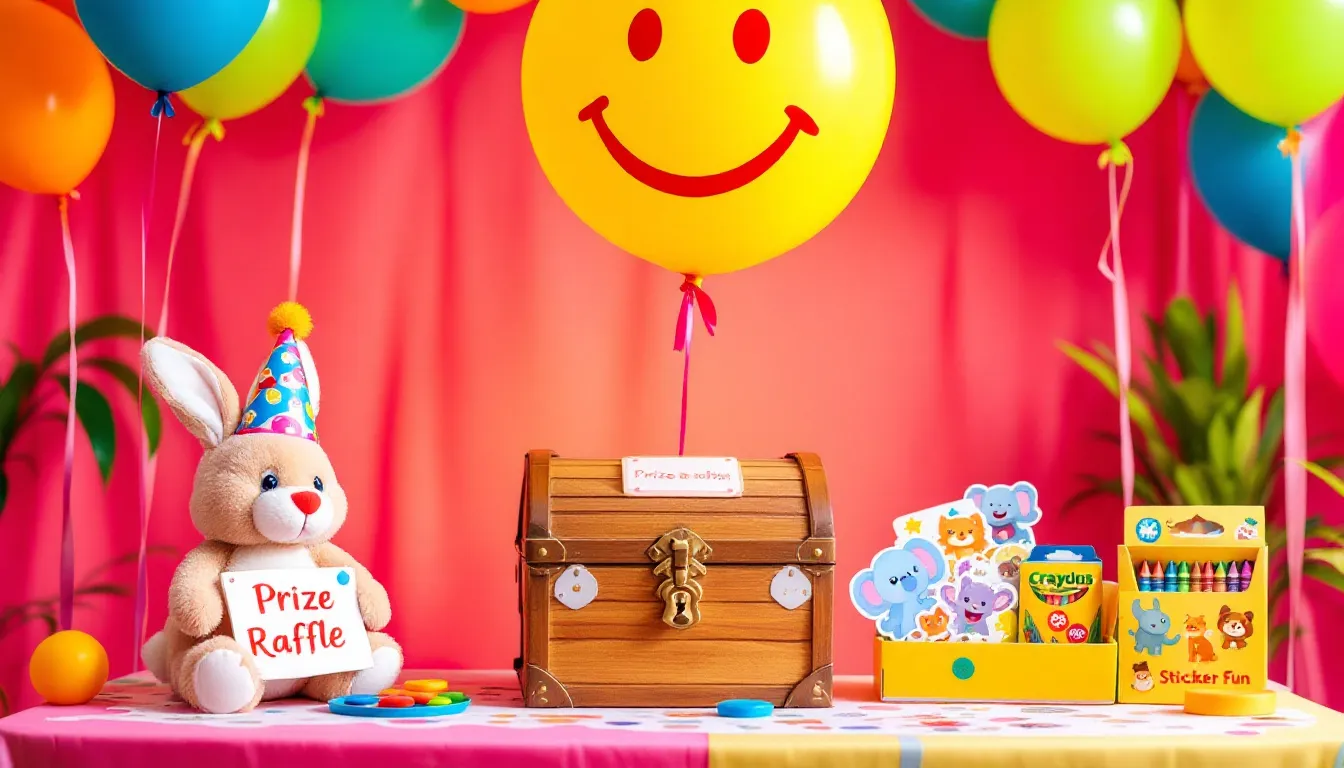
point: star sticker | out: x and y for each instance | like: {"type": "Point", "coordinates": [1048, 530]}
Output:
{"type": "Point", "coordinates": [912, 526]}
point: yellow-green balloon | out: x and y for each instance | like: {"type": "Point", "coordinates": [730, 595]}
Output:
{"type": "Point", "coordinates": [266, 68]}
{"type": "Point", "coordinates": [1279, 61]}
{"type": "Point", "coordinates": [1085, 71]}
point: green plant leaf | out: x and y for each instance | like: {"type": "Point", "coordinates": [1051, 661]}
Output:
{"type": "Point", "coordinates": [105, 327]}
{"type": "Point", "coordinates": [1158, 337]}
{"type": "Point", "coordinates": [1189, 340]}
{"type": "Point", "coordinates": [1277, 635]}
{"type": "Point", "coordinates": [130, 380]}
{"type": "Point", "coordinates": [1325, 574]}
{"type": "Point", "coordinates": [1329, 478]}
{"type": "Point", "coordinates": [1331, 556]}
{"type": "Point", "coordinates": [1147, 467]}
{"type": "Point", "coordinates": [1220, 448]}
{"type": "Point", "coordinates": [95, 415]}
{"type": "Point", "coordinates": [1235, 365]}
{"type": "Point", "coordinates": [1139, 412]}
{"type": "Point", "coordinates": [1246, 433]}
{"type": "Point", "coordinates": [17, 388]}
{"type": "Point", "coordinates": [1194, 488]}
{"type": "Point", "coordinates": [1200, 400]}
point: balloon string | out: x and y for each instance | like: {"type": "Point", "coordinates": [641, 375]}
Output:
{"type": "Point", "coordinates": [1295, 419]}
{"type": "Point", "coordinates": [67, 480]}
{"type": "Point", "coordinates": [142, 453]}
{"type": "Point", "coordinates": [1183, 107]}
{"type": "Point", "coordinates": [1114, 271]}
{"type": "Point", "coordinates": [691, 296]}
{"type": "Point", "coordinates": [315, 108]}
{"type": "Point", "coordinates": [195, 141]}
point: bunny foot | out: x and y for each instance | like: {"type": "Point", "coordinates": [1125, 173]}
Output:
{"type": "Point", "coordinates": [223, 683]}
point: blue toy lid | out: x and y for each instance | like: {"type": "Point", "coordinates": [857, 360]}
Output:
{"type": "Point", "coordinates": [745, 708]}
{"type": "Point", "coordinates": [1072, 553]}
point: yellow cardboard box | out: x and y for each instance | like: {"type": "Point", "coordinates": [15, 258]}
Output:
{"type": "Point", "coordinates": [1049, 673]}
{"type": "Point", "coordinates": [1174, 640]}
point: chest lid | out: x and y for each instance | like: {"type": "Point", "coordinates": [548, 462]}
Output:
{"type": "Point", "coordinates": [576, 511]}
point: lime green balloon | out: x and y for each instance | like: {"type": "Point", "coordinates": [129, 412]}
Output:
{"type": "Point", "coordinates": [266, 68]}
{"type": "Point", "coordinates": [1279, 61]}
{"type": "Point", "coordinates": [1085, 71]}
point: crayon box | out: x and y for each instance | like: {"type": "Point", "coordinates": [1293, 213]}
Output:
{"type": "Point", "coordinates": [1184, 620]}
{"type": "Point", "coordinates": [1060, 596]}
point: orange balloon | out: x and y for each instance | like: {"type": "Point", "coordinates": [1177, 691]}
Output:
{"type": "Point", "coordinates": [64, 6]}
{"type": "Point", "coordinates": [488, 6]}
{"type": "Point", "coordinates": [56, 102]}
{"type": "Point", "coordinates": [1187, 69]}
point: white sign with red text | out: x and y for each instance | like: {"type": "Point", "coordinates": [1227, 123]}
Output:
{"type": "Point", "coordinates": [298, 622]}
{"type": "Point", "coordinates": [691, 476]}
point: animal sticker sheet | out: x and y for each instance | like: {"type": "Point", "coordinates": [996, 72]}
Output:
{"type": "Point", "coordinates": [944, 578]}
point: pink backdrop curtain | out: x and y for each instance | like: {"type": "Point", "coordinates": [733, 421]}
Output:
{"type": "Point", "coordinates": [464, 315]}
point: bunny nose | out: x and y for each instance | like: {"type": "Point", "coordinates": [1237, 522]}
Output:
{"type": "Point", "coordinates": [306, 501]}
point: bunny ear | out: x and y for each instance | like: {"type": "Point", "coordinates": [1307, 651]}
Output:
{"type": "Point", "coordinates": [310, 375]}
{"type": "Point", "coordinates": [197, 392]}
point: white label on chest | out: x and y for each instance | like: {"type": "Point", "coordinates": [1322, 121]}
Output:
{"type": "Point", "coordinates": [691, 476]}
{"type": "Point", "coordinates": [298, 622]}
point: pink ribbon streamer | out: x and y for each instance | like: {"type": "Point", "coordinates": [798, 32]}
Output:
{"type": "Point", "coordinates": [142, 452]}
{"type": "Point", "coordinates": [1183, 107]}
{"type": "Point", "coordinates": [315, 108]}
{"type": "Point", "coordinates": [68, 479]}
{"type": "Point", "coordinates": [1114, 271]}
{"type": "Point", "coordinates": [1295, 420]}
{"type": "Point", "coordinates": [691, 296]}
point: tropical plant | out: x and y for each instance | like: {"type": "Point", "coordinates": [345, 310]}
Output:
{"type": "Point", "coordinates": [1201, 438]}
{"type": "Point", "coordinates": [26, 394]}
{"type": "Point", "coordinates": [44, 610]}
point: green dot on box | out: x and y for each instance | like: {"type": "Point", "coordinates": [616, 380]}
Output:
{"type": "Point", "coordinates": [963, 668]}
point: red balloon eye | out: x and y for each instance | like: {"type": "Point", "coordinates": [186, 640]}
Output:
{"type": "Point", "coordinates": [751, 36]}
{"type": "Point", "coordinates": [646, 34]}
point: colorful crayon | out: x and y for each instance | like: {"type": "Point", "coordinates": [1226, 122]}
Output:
{"type": "Point", "coordinates": [1220, 578]}
{"type": "Point", "coordinates": [1208, 577]}
{"type": "Point", "coordinates": [1183, 577]}
{"type": "Point", "coordinates": [1145, 578]}
{"type": "Point", "coordinates": [1171, 578]}
{"type": "Point", "coordinates": [1246, 572]}
{"type": "Point", "coordinates": [1157, 577]}
{"type": "Point", "coordinates": [1233, 577]}
{"type": "Point", "coordinates": [1196, 577]}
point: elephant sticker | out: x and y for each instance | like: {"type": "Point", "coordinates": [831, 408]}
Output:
{"type": "Point", "coordinates": [896, 588]}
{"type": "Point", "coordinates": [1010, 510]}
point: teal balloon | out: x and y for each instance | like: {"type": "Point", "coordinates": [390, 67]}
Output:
{"type": "Point", "coordinates": [373, 50]}
{"type": "Point", "coordinates": [963, 18]}
{"type": "Point", "coordinates": [170, 45]}
{"type": "Point", "coordinates": [1246, 183]}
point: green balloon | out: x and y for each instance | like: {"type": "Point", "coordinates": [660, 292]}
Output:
{"type": "Point", "coordinates": [373, 50]}
{"type": "Point", "coordinates": [266, 68]}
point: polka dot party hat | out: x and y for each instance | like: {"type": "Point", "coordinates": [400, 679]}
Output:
{"type": "Point", "coordinates": [279, 402]}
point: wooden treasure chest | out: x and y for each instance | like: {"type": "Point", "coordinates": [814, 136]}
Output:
{"type": "Point", "coordinates": [643, 600]}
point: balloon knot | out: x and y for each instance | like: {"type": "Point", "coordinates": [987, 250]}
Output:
{"type": "Point", "coordinates": [1117, 154]}
{"type": "Point", "coordinates": [315, 105]}
{"type": "Point", "coordinates": [73, 194]}
{"type": "Point", "coordinates": [1197, 89]}
{"type": "Point", "coordinates": [163, 105]}
{"type": "Point", "coordinates": [1292, 143]}
{"type": "Point", "coordinates": [692, 281]}
{"type": "Point", "coordinates": [210, 127]}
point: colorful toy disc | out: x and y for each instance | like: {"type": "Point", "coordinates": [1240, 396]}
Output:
{"type": "Point", "coordinates": [425, 686]}
{"type": "Point", "coordinates": [745, 708]}
{"type": "Point", "coordinates": [343, 706]}
{"type": "Point", "coordinates": [1219, 703]}
{"type": "Point", "coordinates": [362, 700]}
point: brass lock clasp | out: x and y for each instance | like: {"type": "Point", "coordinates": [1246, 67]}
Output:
{"type": "Point", "coordinates": [679, 557]}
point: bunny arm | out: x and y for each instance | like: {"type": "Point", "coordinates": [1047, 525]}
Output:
{"type": "Point", "coordinates": [194, 600]}
{"type": "Point", "coordinates": [374, 604]}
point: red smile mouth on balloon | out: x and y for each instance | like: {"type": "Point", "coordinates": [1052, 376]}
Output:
{"type": "Point", "coordinates": [697, 186]}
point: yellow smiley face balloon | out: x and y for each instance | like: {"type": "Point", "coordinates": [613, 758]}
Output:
{"type": "Point", "coordinates": [707, 136]}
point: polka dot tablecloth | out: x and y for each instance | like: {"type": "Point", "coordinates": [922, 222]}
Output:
{"type": "Point", "coordinates": [136, 720]}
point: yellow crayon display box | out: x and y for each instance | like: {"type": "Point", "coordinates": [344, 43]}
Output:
{"type": "Point", "coordinates": [1037, 673]}
{"type": "Point", "coordinates": [1192, 603]}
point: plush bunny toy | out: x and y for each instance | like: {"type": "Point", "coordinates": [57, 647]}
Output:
{"type": "Point", "coordinates": [265, 496]}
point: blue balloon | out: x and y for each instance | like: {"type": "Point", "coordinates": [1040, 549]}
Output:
{"type": "Point", "coordinates": [963, 18]}
{"type": "Point", "coordinates": [1242, 177]}
{"type": "Point", "coordinates": [171, 45]}
{"type": "Point", "coordinates": [373, 50]}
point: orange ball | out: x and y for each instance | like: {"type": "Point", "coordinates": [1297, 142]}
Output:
{"type": "Point", "coordinates": [69, 667]}
{"type": "Point", "coordinates": [488, 6]}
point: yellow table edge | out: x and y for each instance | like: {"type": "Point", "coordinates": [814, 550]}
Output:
{"type": "Point", "coordinates": [1220, 703]}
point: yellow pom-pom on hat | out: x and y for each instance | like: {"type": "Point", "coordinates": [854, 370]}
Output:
{"type": "Point", "coordinates": [290, 316]}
